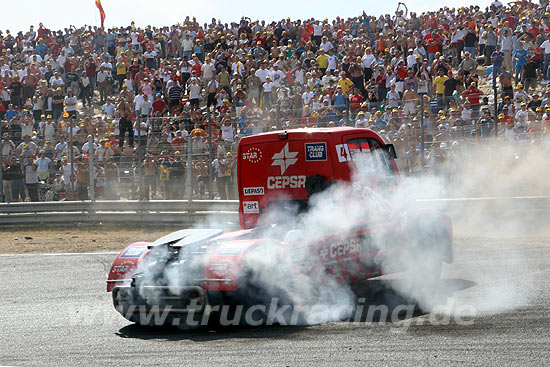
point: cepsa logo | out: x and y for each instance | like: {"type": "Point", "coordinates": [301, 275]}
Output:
{"type": "Point", "coordinates": [284, 159]}
{"type": "Point", "coordinates": [348, 247]}
{"type": "Point", "coordinates": [253, 155]}
{"type": "Point", "coordinates": [283, 182]}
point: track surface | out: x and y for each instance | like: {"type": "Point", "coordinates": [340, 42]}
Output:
{"type": "Point", "coordinates": [54, 311]}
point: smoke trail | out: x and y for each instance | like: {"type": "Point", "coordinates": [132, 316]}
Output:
{"type": "Point", "coordinates": [389, 215]}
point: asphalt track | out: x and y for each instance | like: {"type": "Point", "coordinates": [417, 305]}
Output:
{"type": "Point", "coordinates": [54, 311]}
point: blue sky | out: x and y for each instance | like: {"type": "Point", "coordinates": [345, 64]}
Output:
{"type": "Point", "coordinates": [56, 14]}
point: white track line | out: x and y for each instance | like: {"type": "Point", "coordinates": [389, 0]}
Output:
{"type": "Point", "coordinates": [62, 254]}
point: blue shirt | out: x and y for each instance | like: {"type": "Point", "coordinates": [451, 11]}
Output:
{"type": "Point", "coordinates": [41, 50]}
{"type": "Point", "coordinates": [339, 99]}
{"type": "Point", "coordinates": [499, 56]}
{"type": "Point", "coordinates": [10, 114]}
{"type": "Point", "coordinates": [521, 55]}
{"type": "Point", "coordinates": [381, 124]}
{"type": "Point", "coordinates": [110, 39]}
{"type": "Point", "coordinates": [244, 128]}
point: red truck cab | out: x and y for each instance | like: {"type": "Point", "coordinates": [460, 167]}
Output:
{"type": "Point", "coordinates": [293, 165]}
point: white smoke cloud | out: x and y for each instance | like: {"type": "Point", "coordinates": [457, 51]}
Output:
{"type": "Point", "coordinates": [345, 207]}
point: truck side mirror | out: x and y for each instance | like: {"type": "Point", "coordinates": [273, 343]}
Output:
{"type": "Point", "coordinates": [391, 151]}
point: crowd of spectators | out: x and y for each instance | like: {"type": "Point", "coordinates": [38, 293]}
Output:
{"type": "Point", "coordinates": [143, 94]}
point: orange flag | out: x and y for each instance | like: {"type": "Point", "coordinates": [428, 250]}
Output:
{"type": "Point", "coordinates": [101, 12]}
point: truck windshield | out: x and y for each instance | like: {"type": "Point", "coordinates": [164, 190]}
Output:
{"type": "Point", "coordinates": [369, 157]}
{"type": "Point", "coordinates": [362, 156]}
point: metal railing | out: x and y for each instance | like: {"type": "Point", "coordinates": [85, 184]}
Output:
{"type": "Point", "coordinates": [224, 212]}
{"type": "Point", "coordinates": [155, 211]}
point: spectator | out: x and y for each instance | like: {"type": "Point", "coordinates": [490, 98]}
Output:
{"type": "Point", "coordinates": [174, 93]}
{"type": "Point", "coordinates": [31, 179]}
{"type": "Point", "coordinates": [473, 95]}
{"type": "Point", "coordinates": [530, 74]}
{"type": "Point", "coordinates": [497, 58]}
{"type": "Point", "coordinates": [125, 123]}
{"type": "Point", "coordinates": [58, 104]}
{"type": "Point", "coordinates": [177, 180]}
{"type": "Point", "coordinates": [520, 58]}
{"type": "Point", "coordinates": [267, 89]}
{"type": "Point", "coordinates": [469, 64]}
{"type": "Point", "coordinates": [103, 80]}
{"type": "Point", "coordinates": [70, 103]}
{"type": "Point", "coordinates": [82, 177]}
{"type": "Point", "coordinates": [393, 97]}
{"type": "Point", "coordinates": [223, 166]}
{"type": "Point", "coordinates": [43, 165]}
{"type": "Point", "coordinates": [59, 187]}
{"type": "Point", "coordinates": [16, 178]}
{"type": "Point", "coordinates": [439, 84]}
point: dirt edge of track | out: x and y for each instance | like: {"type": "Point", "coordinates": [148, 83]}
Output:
{"type": "Point", "coordinates": [74, 238]}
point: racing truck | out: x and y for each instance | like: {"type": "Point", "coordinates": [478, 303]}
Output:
{"type": "Point", "coordinates": [319, 209]}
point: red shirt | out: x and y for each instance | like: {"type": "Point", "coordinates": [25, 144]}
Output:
{"type": "Point", "coordinates": [178, 79]}
{"type": "Point", "coordinates": [68, 66]}
{"type": "Point", "coordinates": [510, 19]}
{"type": "Point", "coordinates": [306, 36]}
{"type": "Point", "coordinates": [177, 142]}
{"type": "Point", "coordinates": [159, 106]}
{"type": "Point", "coordinates": [473, 96]}
{"type": "Point", "coordinates": [197, 69]}
{"type": "Point", "coordinates": [402, 72]}
{"type": "Point", "coordinates": [536, 52]}
{"type": "Point", "coordinates": [133, 69]}
{"type": "Point", "coordinates": [90, 69]}
{"type": "Point", "coordinates": [433, 36]}
{"type": "Point", "coordinates": [355, 101]}
{"type": "Point", "coordinates": [308, 120]}
{"type": "Point", "coordinates": [381, 81]}
{"type": "Point", "coordinates": [114, 145]}
{"type": "Point", "coordinates": [260, 39]}
{"type": "Point", "coordinates": [42, 31]}
{"type": "Point", "coordinates": [433, 47]}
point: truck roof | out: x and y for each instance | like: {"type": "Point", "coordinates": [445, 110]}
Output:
{"type": "Point", "coordinates": [308, 133]}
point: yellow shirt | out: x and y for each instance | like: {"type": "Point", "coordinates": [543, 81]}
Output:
{"type": "Point", "coordinates": [121, 68]}
{"type": "Point", "coordinates": [439, 82]}
{"type": "Point", "coordinates": [322, 61]}
{"type": "Point", "coordinates": [345, 84]}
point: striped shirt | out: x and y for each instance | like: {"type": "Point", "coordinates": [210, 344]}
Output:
{"type": "Point", "coordinates": [175, 92]}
